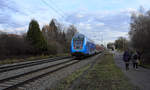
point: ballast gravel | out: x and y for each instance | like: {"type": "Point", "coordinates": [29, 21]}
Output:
{"type": "Point", "coordinates": [12, 73]}
{"type": "Point", "coordinates": [49, 81]}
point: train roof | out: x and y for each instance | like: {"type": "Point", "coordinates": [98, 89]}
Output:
{"type": "Point", "coordinates": [82, 35]}
{"type": "Point", "coordinates": [78, 35]}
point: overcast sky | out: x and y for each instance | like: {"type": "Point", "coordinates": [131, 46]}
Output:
{"type": "Point", "coordinates": [98, 19]}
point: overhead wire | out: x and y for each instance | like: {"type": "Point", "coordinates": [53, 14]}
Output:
{"type": "Point", "coordinates": [52, 8]}
{"type": "Point", "coordinates": [57, 10]}
{"type": "Point", "coordinates": [62, 11]}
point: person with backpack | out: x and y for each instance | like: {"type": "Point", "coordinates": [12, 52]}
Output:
{"type": "Point", "coordinates": [135, 60]}
{"type": "Point", "coordinates": [126, 59]}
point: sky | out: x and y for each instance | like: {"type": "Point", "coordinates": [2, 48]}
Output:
{"type": "Point", "coordinates": [101, 20]}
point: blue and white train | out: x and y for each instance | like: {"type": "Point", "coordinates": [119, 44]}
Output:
{"type": "Point", "coordinates": [82, 46]}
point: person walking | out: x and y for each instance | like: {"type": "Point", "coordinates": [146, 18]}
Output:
{"type": "Point", "coordinates": [126, 59]}
{"type": "Point", "coordinates": [135, 60]}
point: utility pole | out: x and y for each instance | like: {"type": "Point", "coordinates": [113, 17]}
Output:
{"type": "Point", "coordinates": [102, 39]}
{"type": "Point", "coordinates": [123, 44]}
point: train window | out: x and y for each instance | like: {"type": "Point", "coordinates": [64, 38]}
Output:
{"type": "Point", "coordinates": [78, 41]}
{"type": "Point", "coordinates": [79, 36]}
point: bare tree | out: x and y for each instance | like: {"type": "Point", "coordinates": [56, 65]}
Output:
{"type": "Point", "coordinates": [140, 33]}
{"type": "Point", "coordinates": [71, 32]}
{"type": "Point", "coordinates": [121, 43]}
{"type": "Point", "coordinates": [57, 37]}
{"type": "Point", "coordinates": [12, 45]}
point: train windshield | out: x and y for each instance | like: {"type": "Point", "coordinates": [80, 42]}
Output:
{"type": "Point", "coordinates": [78, 41]}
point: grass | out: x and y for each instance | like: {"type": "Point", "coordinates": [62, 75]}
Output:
{"type": "Point", "coordinates": [145, 66]}
{"type": "Point", "coordinates": [14, 60]}
{"type": "Point", "coordinates": [65, 83]}
{"type": "Point", "coordinates": [105, 75]}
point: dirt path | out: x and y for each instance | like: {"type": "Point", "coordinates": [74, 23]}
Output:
{"type": "Point", "coordinates": [140, 78]}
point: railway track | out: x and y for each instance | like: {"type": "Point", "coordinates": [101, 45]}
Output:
{"type": "Point", "coordinates": [17, 80]}
{"type": "Point", "coordinates": [5, 68]}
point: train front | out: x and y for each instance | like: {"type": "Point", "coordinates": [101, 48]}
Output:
{"type": "Point", "coordinates": [78, 45]}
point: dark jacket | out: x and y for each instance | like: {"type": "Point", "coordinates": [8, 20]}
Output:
{"type": "Point", "coordinates": [135, 58]}
{"type": "Point", "coordinates": [126, 56]}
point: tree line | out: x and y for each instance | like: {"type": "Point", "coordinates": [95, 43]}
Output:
{"type": "Point", "coordinates": [122, 43]}
{"type": "Point", "coordinates": [139, 36]}
{"type": "Point", "coordinates": [51, 39]}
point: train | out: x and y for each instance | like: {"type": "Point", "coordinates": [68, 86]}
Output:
{"type": "Point", "coordinates": [83, 46]}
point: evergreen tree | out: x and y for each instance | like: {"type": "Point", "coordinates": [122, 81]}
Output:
{"type": "Point", "coordinates": [34, 35]}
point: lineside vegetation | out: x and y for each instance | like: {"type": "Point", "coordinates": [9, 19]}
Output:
{"type": "Point", "coordinates": [52, 39]}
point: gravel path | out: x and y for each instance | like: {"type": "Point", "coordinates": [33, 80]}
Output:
{"type": "Point", "coordinates": [52, 79]}
{"type": "Point", "coordinates": [140, 78]}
